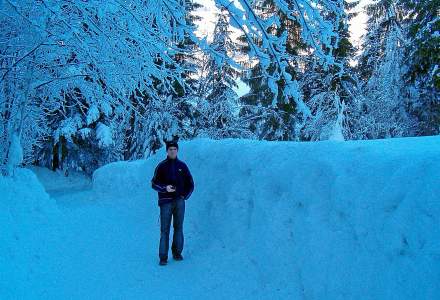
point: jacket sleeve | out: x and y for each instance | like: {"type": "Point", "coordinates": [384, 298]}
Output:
{"type": "Point", "coordinates": [189, 184]}
{"type": "Point", "coordinates": [156, 182]}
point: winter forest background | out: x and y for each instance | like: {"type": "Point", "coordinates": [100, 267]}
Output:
{"type": "Point", "coordinates": [85, 83]}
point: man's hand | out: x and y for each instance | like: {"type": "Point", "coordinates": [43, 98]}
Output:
{"type": "Point", "coordinates": [170, 188]}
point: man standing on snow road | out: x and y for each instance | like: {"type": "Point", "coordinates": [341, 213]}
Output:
{"type": "Point", "coordinates": [174, 184]}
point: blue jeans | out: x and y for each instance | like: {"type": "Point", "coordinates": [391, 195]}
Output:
{"type": "Point", "coordinates": [175, 209]}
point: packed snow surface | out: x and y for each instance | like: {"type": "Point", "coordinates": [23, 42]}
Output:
{"type": "Point", "coordinates": [266, 220]}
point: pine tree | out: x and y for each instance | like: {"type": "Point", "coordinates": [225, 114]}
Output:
{"type": "Point", "coordinates": [217, 109]}
{"type": "Point", "coordinates": [423, 55]}
{"type": "Point", "coordinates": [154, 116]}
{"type": "Point", "coordinates": [269, 119]}
{"type": "Point", "coordinates": [382, 16]}
{"type": "Point", "coordinates": [329, 91]}
{"type": "Point", "coordinates": [184, 95]}
{"type": "Point", "coordinates": [385, 93]}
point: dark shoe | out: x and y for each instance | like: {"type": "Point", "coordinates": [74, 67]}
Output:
{"type": "Point", "coordinates": [163, 262]}
{"type": "Point", "coordinates": [178, 256]}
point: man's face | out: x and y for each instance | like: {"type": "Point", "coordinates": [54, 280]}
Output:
{"type": "Point", "coordinates": [172, 152]}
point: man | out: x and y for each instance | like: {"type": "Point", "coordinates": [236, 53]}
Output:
{"type": "Point", "coordinates": [174, 184]}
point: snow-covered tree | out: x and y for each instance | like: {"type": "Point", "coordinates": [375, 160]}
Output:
{"type": "Point", "coordinates": [269, 46]}
{"type": "Point", "coordinates": [386, 91]}
{"type": "Point", "coordinates": [90, 55]}
{"type": "Point", "coordinates": [172, 113]}
{"type": "Point", "coordinates": [329, 90]}
{"type": "Point", "coordinates": [74, 73]}
{"type": "Point", "coordinates": [217, 108]}
{"type": "Point", "coordinates": [423, 57]}
{"type": "Point", "coordinates": [382, 66]}
{"type": "Point", "coordinates": [268, 119]}
{"type": "Point", "coordinates": [188, 59]}
{"type": "Point", "coordinates": [383, 15]}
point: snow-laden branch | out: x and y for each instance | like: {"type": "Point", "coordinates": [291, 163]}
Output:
{"type": "Point", "coordinates": [317, 30]}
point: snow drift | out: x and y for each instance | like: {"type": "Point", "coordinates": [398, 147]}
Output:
{"type": "Point", "coordinates": [323, 220]}
{"type": "Point", "coordinates": [29, 237]}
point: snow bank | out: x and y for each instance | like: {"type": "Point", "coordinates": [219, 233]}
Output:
{"type": "Point", "coordinates": [28, 237]}
{"type": "Point", "coordinates": [323, 220]}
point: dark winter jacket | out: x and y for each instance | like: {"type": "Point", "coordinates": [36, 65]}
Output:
{"type": "Point", "coordinates": [174, 172]}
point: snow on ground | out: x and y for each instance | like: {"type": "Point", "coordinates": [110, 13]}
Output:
{"type": "Point", "coordinates": [282, 220]}
{"type": "Point", "coordinates": [69, 192]}
{"type": "Point", "coordinates": [29, 237]}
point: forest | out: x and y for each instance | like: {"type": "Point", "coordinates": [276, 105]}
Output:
{"type": "Point", "coordinates": [85, 83]}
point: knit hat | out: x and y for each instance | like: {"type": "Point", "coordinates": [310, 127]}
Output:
{"type": "Point", "coordinates": [172, 144]}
